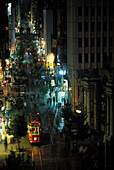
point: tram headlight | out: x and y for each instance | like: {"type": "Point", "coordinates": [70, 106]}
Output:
{"type": "Point", "coordinates": [35, 138]}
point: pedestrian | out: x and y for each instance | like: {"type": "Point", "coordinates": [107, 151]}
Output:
{"type": "Point", "coordinates": [38, 98]}
{"type": "Point", "coordinates": [67, 148]}
{"type": "Point", "coordinates": [57, 120]}
{"type": "Point", "coordinates": [47, 102]}
{"type": "Point", "coordinates": [5, 144]}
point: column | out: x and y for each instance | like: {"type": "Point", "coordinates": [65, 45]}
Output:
{"type": "Point", "coordinates": [85, 100]}
{"type": "Point", "coordinates": [95, 110]}
{"type": "Point", "coordinates": [111, 117]}
{"type": "Point", "coordinates": [88, 106]}
{"type": "Point", "coordinates": [108, 117]}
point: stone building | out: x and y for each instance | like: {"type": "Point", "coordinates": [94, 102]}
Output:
{"type": "Point", "coordinates": [90, 60]}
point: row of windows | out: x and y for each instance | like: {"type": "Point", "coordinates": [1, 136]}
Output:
{"type": "Point", "coordinates": [92, 26]}
{"type": "Point", "coordinates": [92, 42]}
{"type": "Point", "coordinates": [92, 11]}
{"type": "Point", "coordinates": [92, 58]}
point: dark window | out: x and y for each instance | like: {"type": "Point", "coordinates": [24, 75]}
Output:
{"type": "Point", "coordinates": [80, 58]}
{"type": "Point", "coordinates": [92, 27]}
{"type": "Point", "coordinates": [85, 42]}
{"type": "Point", "coordinates": [110, 26]}
{"type": "Point", "coordinates": [98, 26]}
{"type": "Point", "coordinates": [98, 11]}
{"type": "Point", "coordinates": [104, 57]}
{"type": "Point", "coordinates": [104, 11]}
{"type": "Point", "coordinates": [79, 11]}
{"type": "Point", "coordinates": [92, 42]}
{"type": "Point", "coordinates": [86, 58]}
{"type": "Point", "coordinates": [104, 41]}
{"type": "Point", "coordinates": [110, 41]}
{"type": "Point", "coordinates": [92, 57]}
{"type": "Point", "coordinates": [92, 11]}
{"type": "Point", "coordinates": [98, 42]}
{"type": "Point", "coordinates": [98, 57]}
{"type": "Point", "coordinates": [104, 26]}
{"type": "Point", "coordinates": [111, 11]}
{"type": "Point", "coordinates": [110, 57]}
{"type": "Point", "coordinates": [86, 26]}
{"type": "Point", "coordinates": [79, 27]}
{"type": "Point", "coordinates": [86, 11]}
{"type": "Point", "coordinates": [79, 42]}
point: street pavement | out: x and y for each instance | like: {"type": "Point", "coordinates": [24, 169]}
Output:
{"type": "Point", "coordinates": [52, 148]}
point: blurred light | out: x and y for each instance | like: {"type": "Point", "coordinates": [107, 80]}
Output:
{"type": "Point", "coordinates": [35, 138]}
{"type": "Point", "coordinates": [78, 111]}
{"type": "Point", "coordinates": [61, 72]}
{"type": "Point", "coordinates": [58, 64]}
{"type": "Point", "coordinates": [2, 108]}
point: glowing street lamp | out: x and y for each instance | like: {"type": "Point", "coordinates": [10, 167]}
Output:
{"type": "Point", "coordinates": [61, 72]}
{"type": "Point", "coordinates": [77, 110]}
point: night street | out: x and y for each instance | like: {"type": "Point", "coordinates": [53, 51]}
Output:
{"type": "Point", "coordinates": [56, 84]}
{"type": "Point", "coordinates": [46, 155]}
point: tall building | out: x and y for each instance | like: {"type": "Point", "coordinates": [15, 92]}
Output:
{"type": "Point", "coordinates": [90, 60]}
{"type": "Point", "coordinates": [4, 39]}
{"type": "Point", "coordinates": [55, 32]}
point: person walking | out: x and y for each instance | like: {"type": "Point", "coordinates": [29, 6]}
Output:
{"type": "Point", "coordinates": [5, 144]}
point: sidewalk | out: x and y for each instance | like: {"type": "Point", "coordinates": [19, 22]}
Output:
{"type": "Point", "coordinates": [24, 144]}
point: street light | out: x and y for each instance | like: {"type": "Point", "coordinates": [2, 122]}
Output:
{"type": "Point", "coordinates": [77, 110]}
{"type": "Point", "coordinates": [61, 72]}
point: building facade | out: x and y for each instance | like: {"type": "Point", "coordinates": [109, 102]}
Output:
{"type": "Point", "coordinates": [90, 59]}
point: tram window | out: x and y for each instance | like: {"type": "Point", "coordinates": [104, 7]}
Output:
{"type": "Point", "coordinates": [30, 131]}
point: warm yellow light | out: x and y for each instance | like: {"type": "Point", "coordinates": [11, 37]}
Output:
{"type": "Point", "coordinates": [58, 64]}
{"type": "Point", "coordinates": [78, 111]}
{"type": "Point", "coordinates": [50, 58]}
{"type": "Point", "coordinates": [6, 28]}
{"type": "Point", "coordinates": [43, 42]}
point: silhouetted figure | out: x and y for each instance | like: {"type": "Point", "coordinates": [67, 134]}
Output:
{"type": "Point", "coordinates": [5, 144]}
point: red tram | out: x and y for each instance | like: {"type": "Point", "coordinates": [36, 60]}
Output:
{"type": "Point", "coordinates": [34, 131]}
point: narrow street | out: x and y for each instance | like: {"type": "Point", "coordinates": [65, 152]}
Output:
{"type": "Point", "coordinates": [49, 155]}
